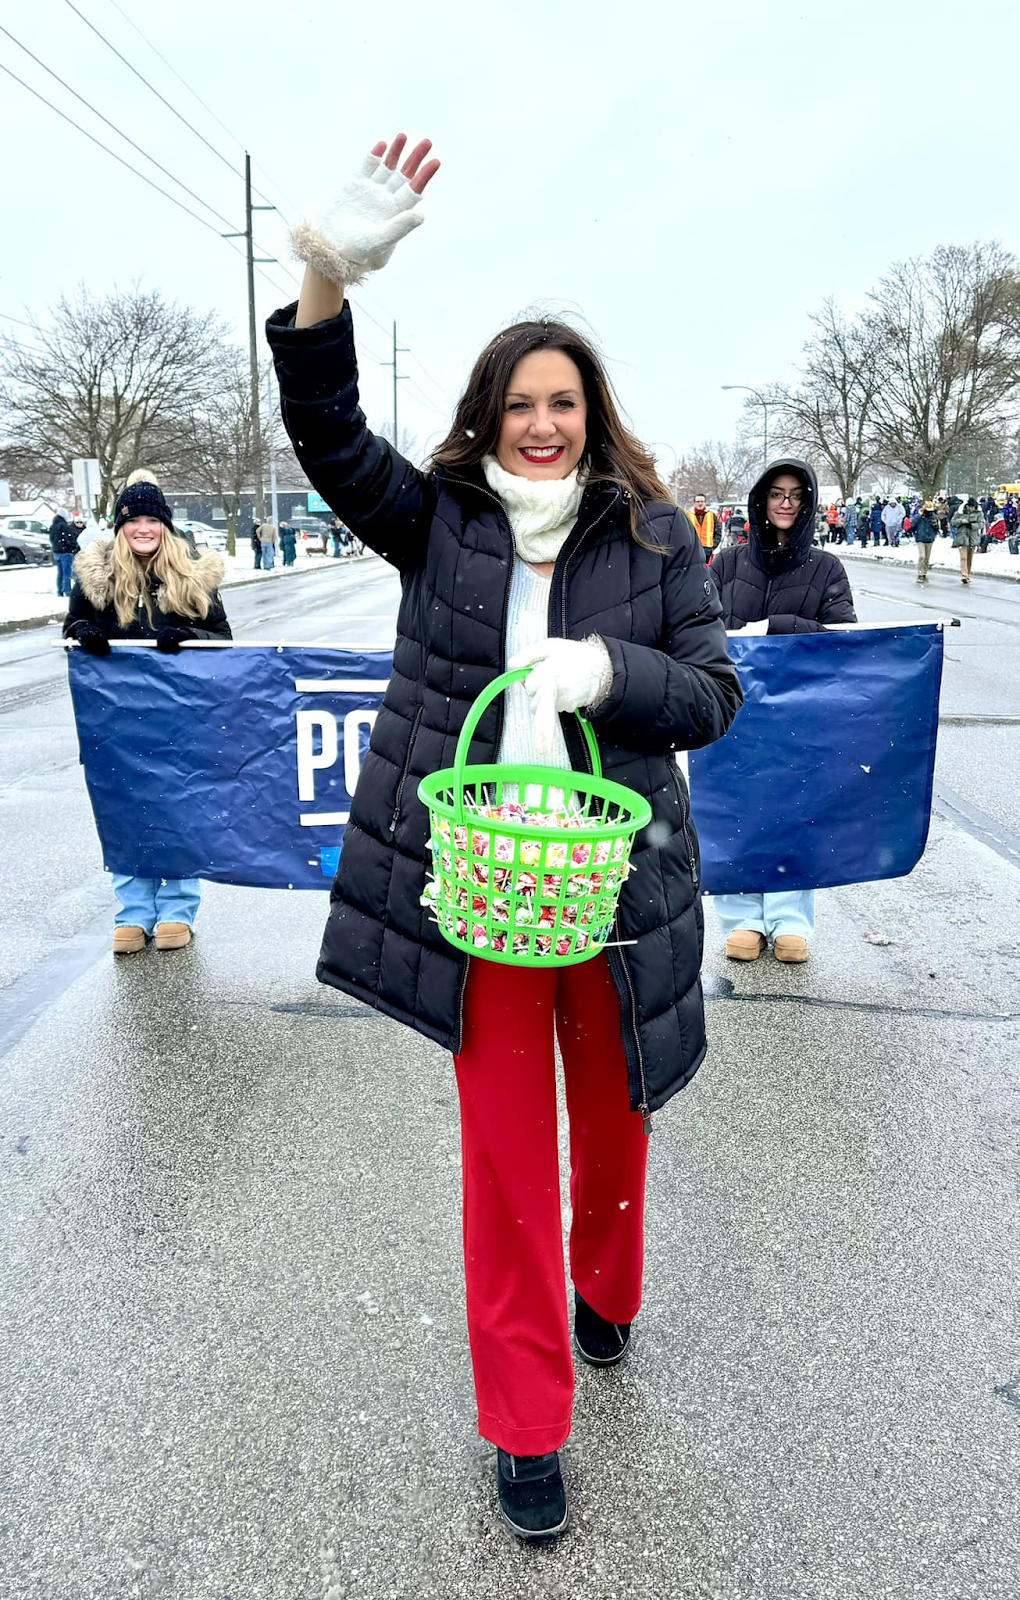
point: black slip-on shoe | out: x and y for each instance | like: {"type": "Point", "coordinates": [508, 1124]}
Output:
{"type": "Point", "coordinates": [532, 1499]}
{"type": "Point", "coordinates": [600, 1343]}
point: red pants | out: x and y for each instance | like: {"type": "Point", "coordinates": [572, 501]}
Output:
{"type": "Point", "coordinates": [513, 1236]}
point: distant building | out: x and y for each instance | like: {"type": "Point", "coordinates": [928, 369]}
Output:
{"type": "Point", "coordinates": [189, 505]}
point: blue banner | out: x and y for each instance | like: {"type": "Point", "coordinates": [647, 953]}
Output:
{"type": "Point", "coordinates": [238, 764]}
{"type": "Point", "coordinates": [826, 775]}
{"type": "Point", "coordinates": [235, 764]}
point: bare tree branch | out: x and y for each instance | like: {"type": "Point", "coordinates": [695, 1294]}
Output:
{"type": "Point", "coordinates": [720, 469]}
{"type": "Point", "coordinates": [214, 445]}
{"type": "Point", "coordinates": [948, 331]}
{"type": "Point", "coordinates": [828, 418]}
{"type": "Point", "coordinates": [113, 379]}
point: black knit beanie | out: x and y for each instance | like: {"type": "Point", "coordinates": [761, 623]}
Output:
{"type": "Point", "coordinates": [142, 499]}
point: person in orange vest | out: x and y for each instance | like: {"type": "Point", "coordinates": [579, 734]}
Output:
{"type": "Point", "coordinates": [706, 523]}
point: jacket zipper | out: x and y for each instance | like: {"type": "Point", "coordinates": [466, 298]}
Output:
{"type": "Point", "coordinates": [685, 807]}
{"type": "Point", "coordinates": [643, 1107]}
{"type": "Point", "coordinates": [467, 484]}
{"type": "Point", "coordinates": [406, 769]}
{"type": "Point", "coordinates": [501, 710]}
{"type": "Point", "coordinates": [646, 1118]}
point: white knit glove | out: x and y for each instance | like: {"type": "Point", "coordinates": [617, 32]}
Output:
{"type": "Point", "coordinates": [567, 674]}
{"type": "Point", "coordinates": [752, 628]}
{"type": "Point", "coordinates": [359, 231]}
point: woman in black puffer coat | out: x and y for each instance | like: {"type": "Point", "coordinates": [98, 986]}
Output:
{"type": "Point", "coordinates": [779, 582]}
{"type": "Point", "coordinates": [540, 531]}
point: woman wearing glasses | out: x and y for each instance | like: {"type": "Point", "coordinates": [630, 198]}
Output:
{"type": "Point", "coordinates": [779, 582]}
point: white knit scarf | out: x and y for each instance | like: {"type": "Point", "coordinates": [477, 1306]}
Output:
{"type": "Point", "coordinates": [541, 513]}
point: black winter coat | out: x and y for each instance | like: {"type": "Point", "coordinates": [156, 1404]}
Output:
{"type": "Point", "coordinates": [63, 536]}
{"type": "Point", "coordinates": [92, 599]}
{"type": "Point", "coordinates": [674, 687]}
{"type": "Point", "coordinates": [798, 587]}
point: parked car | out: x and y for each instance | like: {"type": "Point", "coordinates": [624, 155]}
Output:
{"type": "Point", "coordinates": [24, 540]}
{"type": "Point", "coordinates": [204, 533]}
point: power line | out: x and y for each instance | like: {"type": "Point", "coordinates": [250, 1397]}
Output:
{"type": "Point", "coordinates": [92, 138]}
{"type": "Point", "coordinates": [364, 312]}
{"type": "Point", "coordinates": [113, 126]}
{"type": "Point", "coordinates": [19, 320]}
{"type": "Point", "coordinates": [180, 117]}
{"type": "Point", "coordinates": [433, 381]}
{"type": "Point", "coordinates": [417, 359]}
{"type": "Point", "coordinates": [196, 96]}
{"type": "Point", "coordinates": [162, 98]}
{"type": "Point", "coordinates": [216, 152]}
{"type": "Point", "coordinates": [423, 399]}
{"type": "Point", "coordinates": [172, 198]}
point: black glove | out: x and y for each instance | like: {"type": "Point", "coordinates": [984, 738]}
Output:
{"type": "Point", "coordinates": [91, 638]}
{"type": "Point", "coordinates": [169, 640]}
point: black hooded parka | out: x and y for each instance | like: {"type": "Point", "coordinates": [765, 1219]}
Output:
{"type": "Point", "coordinates": [673, 688]}
{"type": "Point", "coordinates": [797, 586]}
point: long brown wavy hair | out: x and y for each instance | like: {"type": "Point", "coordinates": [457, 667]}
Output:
{"type": "Point", "coordinates": [172, 566]}
{"type": "Point", "coordinates": [611, 453]}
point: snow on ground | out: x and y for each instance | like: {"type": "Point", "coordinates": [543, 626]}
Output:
{"type": "Point", "coordinates": [997, 561]}
{"type": "Point", "coordinates": [27, 593]}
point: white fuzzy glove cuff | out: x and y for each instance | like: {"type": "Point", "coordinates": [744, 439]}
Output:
{"type": "Point", "coordinates": [360, 230]}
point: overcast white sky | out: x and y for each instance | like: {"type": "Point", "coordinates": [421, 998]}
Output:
{"type": "Point", "coordinates": [690, 179]}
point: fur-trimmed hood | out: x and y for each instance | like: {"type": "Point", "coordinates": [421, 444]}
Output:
{"type": "Point", "coordinates": [94, 571]}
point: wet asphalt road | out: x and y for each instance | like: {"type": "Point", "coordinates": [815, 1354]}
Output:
{"type": "Point", "coordinates": [231, 1332]}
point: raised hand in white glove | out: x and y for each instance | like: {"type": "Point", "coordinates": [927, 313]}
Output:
{"type": "Point", "coordinates": [373, 211]}
{"type": "Point", "coordinates": [567, 675]}
{"type": "Point", "coordinates": [752, 628]}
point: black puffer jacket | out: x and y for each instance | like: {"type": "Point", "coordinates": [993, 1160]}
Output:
{"type": "Point", "coordinates": [674, 687]}
{"type": "Point", "coordinates": [92, 599]}
{"type": "Point", "coordinates": [798, 587]}
{"type": "Point", "coordinates": [63, 536]}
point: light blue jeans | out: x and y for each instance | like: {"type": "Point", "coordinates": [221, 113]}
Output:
{"type": "Point", "coordinates": [788, 911]}
{"type": "Point", "coordinates": [268, 557]}
{"type": "Point", "coordinates": [146, 901]}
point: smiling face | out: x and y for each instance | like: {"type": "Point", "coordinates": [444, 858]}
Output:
{"type": "Point", "coordinates": [542, 434]}
{"type": "Point", "coordinates": [144, 535]}
{"type": "Point", "coordinates": [784, 500]}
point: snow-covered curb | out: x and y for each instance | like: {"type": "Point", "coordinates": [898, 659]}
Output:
{"type": "Point", "coordinates": [28, 598]}
{"type": "Point", "coordinates": [997, 563]}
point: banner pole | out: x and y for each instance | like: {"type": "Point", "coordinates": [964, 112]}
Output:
{"type": "Point", "coordinates": [322, 644]}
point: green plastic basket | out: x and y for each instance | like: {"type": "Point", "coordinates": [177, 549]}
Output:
{"type": "Point", "coordinates": [526, 895]}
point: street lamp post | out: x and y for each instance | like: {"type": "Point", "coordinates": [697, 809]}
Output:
{"type": "Point", "coordinates": [765, 409]}
{"type": "Point", "coordinates": [660, 444]}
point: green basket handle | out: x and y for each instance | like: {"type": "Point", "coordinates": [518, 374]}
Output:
{"type": "Point", "coordinates": [475, 715]}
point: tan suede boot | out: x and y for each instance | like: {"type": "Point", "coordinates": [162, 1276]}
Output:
{"type": "Point", "coordinates": [791, 947]}
{"type": "Point", "coordinates": [172, 935]}
{"type": "Point", "coordinates": [745, 944]}
{"type": "Point", "coordinates": [127, 940]}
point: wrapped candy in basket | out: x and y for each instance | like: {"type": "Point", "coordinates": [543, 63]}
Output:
{"type": "Point", "coordinates": [527, 862]}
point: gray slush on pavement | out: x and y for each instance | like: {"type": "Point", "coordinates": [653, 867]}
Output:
{"type": "Point", "coordinates": [234, 1350]}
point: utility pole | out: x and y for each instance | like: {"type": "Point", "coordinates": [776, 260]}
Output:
{"type": "Point", "coordinates": [253, 352]}
{"type": "Point", "coordinates": [398, 349]}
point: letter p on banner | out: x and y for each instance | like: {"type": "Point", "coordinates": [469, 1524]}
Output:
{"type": "Point", "coordinates": [308, 762]}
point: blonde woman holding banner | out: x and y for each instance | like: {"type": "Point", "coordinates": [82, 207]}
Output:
{"type": "Point", "coordinates": [146, 584]}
